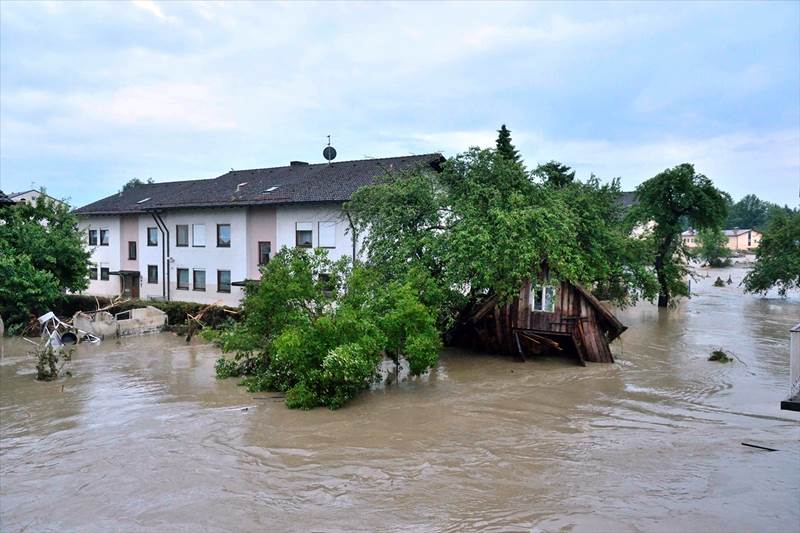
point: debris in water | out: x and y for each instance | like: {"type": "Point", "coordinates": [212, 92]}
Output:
{"type": "Point", "coordinates": [720, 356]}
{"type": "Point", "coordinates": [759, 447]}
{"type": "Point", "coordinates": [719, 282]}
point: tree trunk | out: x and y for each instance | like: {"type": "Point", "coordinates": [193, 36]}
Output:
{"type": "Point", "coordinates": [661, 257]}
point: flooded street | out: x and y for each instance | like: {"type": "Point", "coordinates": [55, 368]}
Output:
{"type": "Point", "coordinates": [144, 437]}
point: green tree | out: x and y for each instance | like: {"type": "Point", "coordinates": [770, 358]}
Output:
{"type": "Point", "coordinates": [136, 182]}
{"type": "Point", "coordinates": [48, 256]}
{"type": "Point", "coordinates": [749, 212]}
{"type": "Point", "coordinates": [673, 195]}
{"type": "Point", "coordinates": [555, 174]}
{"type": "Point", "coordinates": [713, 247]}
{"type": "Point", "coordinates": [504, 146]}
{"type": "Point", "coordinates": [777, 256]}
{"type": "Point", "coordinates": [316, 330]}
{"type": "Point", "coordinates": [24, 290]}
{"type": "Point", "coordinates": [482, 227]}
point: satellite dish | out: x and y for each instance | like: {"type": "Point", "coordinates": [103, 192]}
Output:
{"type": "Point", "coordinates": [329, 153]}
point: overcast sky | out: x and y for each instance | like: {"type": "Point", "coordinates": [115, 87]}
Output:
{"type": "Point", "coordinates": [94, 94]}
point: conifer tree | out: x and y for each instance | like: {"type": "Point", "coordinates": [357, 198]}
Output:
{"type": "Point", "coordinates": [504, 146]}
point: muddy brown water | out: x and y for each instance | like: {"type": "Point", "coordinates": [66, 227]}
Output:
{"type": "Point", "coordinates": [144, 438]}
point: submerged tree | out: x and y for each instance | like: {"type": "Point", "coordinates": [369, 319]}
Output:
{"type": "Point", "coordinates": [42, 255]}
{"type": "Point", "coordinates": [482, 227]}
{"type": "Point", "coordinates": [669, 198]}
{"type": "Point", "coordinates": [713, 247]}
{"type": "Point", "coordinates": [777, 256]}
{"type": "Point", "coordinates": [317, 331]}
{"type": "Point", "coordinates": [504, 146]}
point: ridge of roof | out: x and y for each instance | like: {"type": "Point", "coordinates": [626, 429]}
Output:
{"type": "Point", "coordinates": [305, 183]}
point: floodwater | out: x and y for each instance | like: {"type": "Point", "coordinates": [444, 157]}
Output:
{"type": "Point", "coordinates": [143, 437]}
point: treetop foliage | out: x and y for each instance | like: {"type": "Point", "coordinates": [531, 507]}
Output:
{"type": "Point", "coordinates": [555, 174]}
{"type": "Point", "coordinates": [135, 182]}
{"type": "Point", "coordinates": [504, 146]}
{"type": "Point", "coordinates": [673, 197]}
{"type": "Point", "coordinates": [752, 212]}
{"type": "Point", "coordinates": [42, 255]}
{"type": "Point", "coordinates": [317, 330]}
{"type": "Point", "coordinates": [777, 256]}
{"type": "Point", "coordinates": [483, 226]}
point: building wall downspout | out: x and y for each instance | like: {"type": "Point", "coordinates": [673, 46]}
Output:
{"type": "Point", "coordinates": [165, 290]}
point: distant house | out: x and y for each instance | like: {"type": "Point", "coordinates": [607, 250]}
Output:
{"type": "Point", "coordinates": [201, 240]}
{"type": "Point", "coordinates": [5, 200]}
{"type": "Point", "coordinates": [739, 240]}
{"type": "Point", "coordinates": [743, 239]}
{"type": "Point", "coordinates": [31, 197]}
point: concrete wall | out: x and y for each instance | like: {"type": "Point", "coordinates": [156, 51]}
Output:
{"type": "Point", "coordinates": [129, 231]}
{"type": "Point", "coordinates": [103, 256]}
{"type": "Point", "coordinates": [276, 225]}
{"type": "Point", "coordinates": [745, 241]}
{"type": "Point", "coordinates": [209, 257]}
{"type": "Point", "coordinates": [261, 226]}
{"type": "Point", "coordinates": [289, 216]}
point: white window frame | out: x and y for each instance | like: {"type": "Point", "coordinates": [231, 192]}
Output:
{"type": "Point", "coordinates": [198, 235]}
{"type": "Point", "coordinates": [326, 234]}
{"type": "Point", "coordinates": [303, 226]}
{"type": "Point", "coordinates": [539, 295]}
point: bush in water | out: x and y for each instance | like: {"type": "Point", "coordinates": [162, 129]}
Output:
{"type": "Point", "coordinates": [317, 330]}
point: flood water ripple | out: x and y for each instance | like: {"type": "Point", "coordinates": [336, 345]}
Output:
{"type": "Point", "coordinates": [143, 438]}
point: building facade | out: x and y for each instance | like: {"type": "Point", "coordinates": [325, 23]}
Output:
{"type": "Point", "coordinates": [201, 240]}
{"type": "Point", "coordinates": [739, 240]}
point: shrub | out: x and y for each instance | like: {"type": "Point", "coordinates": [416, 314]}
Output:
{"type": "Point", "coordinates": [300, 397]}
{"type": "Point", "coordinates": [226, 368]}
{"type": "Point", "coordinates": [320, 339]}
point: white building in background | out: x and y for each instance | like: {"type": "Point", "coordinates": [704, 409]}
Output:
{"type": "Point", "coordinates": [201, 240]}
{"type": "Point", "coordinates": [31, 196]}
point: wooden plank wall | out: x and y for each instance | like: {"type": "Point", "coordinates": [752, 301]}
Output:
{"type": "Point", "coordinates": [569, 303]}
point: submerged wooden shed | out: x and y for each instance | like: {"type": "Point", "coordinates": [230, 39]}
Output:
{"type": "Point", "coordinates": [565, 318]}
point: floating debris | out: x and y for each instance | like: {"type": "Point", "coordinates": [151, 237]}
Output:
{"type": "Point", "coordinates": [720, 356]}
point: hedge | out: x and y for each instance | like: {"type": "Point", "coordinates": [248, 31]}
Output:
{"type": "Point", "coordinates": [176, 311]}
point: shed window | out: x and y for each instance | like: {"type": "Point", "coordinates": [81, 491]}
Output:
{"type": "Point", "coordinates": [303, 234]}
{"type": "Point", "coordinates": [152, 236]}
{"type": "Point", "coordinates": [92, 237]}
{"type": "Point", "coordinates": [543, 298]}
{"type": "Point", "coordinates": [327, 234]}
{"type": "Point", "coordinates": [198, 234]}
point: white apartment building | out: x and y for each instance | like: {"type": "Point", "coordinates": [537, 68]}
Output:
{"type": "Point", "coordinates": [201, 240]}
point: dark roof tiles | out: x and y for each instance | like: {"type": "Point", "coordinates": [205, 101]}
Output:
{"type": "Point", "coordinates": [264, 186]}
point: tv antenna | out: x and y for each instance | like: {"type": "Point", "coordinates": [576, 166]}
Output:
{"type": "Point", "coordinates": [329, 152]}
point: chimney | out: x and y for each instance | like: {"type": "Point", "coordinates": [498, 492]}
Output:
{"type": "Point", "coordinates": [297, 163]}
